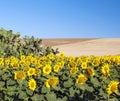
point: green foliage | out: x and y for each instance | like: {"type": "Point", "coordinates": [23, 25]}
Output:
{"type": "Point", "coordinates": [12, 45]}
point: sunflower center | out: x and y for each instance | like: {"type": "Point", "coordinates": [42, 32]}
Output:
{"type": "Point", "coordinates": [31, 71]}
{"type": "Point", "coordinates": [106, 68]}
{"type": "Point", "coordinates": [32, 84]}
{"type": "Point", "coordinates": [47, 69]}
{"type": "Point", "coordinates": [113, 88]}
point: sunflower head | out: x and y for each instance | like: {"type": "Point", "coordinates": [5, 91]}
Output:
{"type": "Point", "coordinates": [52, 82]}
{"type": "Point", "coordinates": [62, 54]}
{"type": "Point", "coordinates": [47, 69]}
{"type": "Point", "coordinates": [56, 68]}
{"type": "Point", "coordinates": [105, 70]}
{"type": "Point", "coordinates": [31, 71]}
{"type": "Point", "coordinates": [81, 79]}
{"type": "Point", "coordinates": [32, 84]}
{"type": "Point", "coordinates": [90, 71]}
{"type": "Point", "coordinates": [14, 64]}
{"type": "Point", "coordinates": [112, 87]}
{"type": "Point", "coordinates": [96, 62]}
{"type": "Point", "coordinates": [72, 64]}
{"type": "Point", "coordinates": [74, 70]}
{"type": "Point", "coordinates": [84, 65]}
{"type": "Point", "coordinates": [19, 75]}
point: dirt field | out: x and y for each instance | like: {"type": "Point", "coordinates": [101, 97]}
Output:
{"type": "Point", "coordinates": [85, 46]}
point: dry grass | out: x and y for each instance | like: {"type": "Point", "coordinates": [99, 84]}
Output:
{"type": "Point", "coordinates": [61, 41]}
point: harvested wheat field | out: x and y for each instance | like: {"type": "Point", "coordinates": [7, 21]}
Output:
{"type": "Point", "coordinates": [85, 46]}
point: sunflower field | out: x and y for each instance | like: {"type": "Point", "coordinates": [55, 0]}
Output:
{"type": "Point", "coordinates": [59, 78]}
{"type": "Point", "coordinates": [29, 72]}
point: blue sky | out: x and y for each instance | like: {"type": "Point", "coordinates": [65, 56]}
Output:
{"type": "Point", "coordinates": [62, 18]}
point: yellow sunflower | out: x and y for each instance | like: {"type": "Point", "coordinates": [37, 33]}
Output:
{"type": "Point", "coordinates": [71, 64]}
{"type": "Point", "coordinates": [47, 69]}
{"type": "Point", "coordinates": [90, 71]}
{"type": "Point", "coordinates": [25, 69]}
{"type": "Point", "coordinates": [51, 56]}
{"type": "Point", "coordinates": [105, 70]}
{"type": "Point", "coordinates": [14, 64]}
{"type": "Point", "coordinates": [112, 87]}
{"type": "Point", "coordinates": [96, 62]}
{"type": "Point", "coordinates": [84, 65]}
{"type": "Point", "coordinates": [19, 75]}
{"type": "Point", "coordinates": [56, 68]}
{"type": "Point", "coordinates": [52, 82]}
{"type": "Point", "coordinates": [81, 79]}
{"type": "Point", "coordinates": [62, 54]}
{"type": "Point", "coordinates": [74, 70]}
{"type": "Point", "coordinates": [32, 84]}
{"type": "Point", "coordinates": [7, 61]}
{"type": "Point", "coordinates": [31, 71]}
{"type": "Point", "coordinates": [37, 72]}
{"type": "Point", "coordinates": [22, 57]}
{"type": "Point", "coordinates": [22, 62]}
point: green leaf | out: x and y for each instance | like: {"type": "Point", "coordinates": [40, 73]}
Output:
{"type": "Point", "coordinates": [2, 84]}
{"type": "Point", "coordinates": [29, 92]}
{"type": "Point", "coordinates": [64, 77]}
{"type": "Point", "coordinates": [68, 83]}
{"type": "Point", "coordinates": [11, 82]}
{"type": "Point", "coordinates": [5, 77]}
{"type": "Point", "coordinates": [71, 91]}
{"type": "Point", "coordinates": [113, 99]}
{"type": "Point", "coordinates": [59, 99]}
{"type": "Point", "coordinates": [1, 72]}
{"type": "Point", "coordinates": [102, 93]}
{"type": "Point", "coordinates": [88, 88]}
{"type": "Point", "coordinates": [22, 95]}
{"type": "Point", "coordinates": [57, 88]}
{"type": "Point", "coordinates": [95, 82]}
{"type": "Point", "coordinates": [62, 99]}
{"type": "Point", "coordinates": [80, 86]}
{"type": "Point", "coordinates": [7, 98]}
{"type": "Point", "coordinates": [45, 89]}
{"type": "Point", "coordinates": [38, 97]}
{"type": "Point", "coordinates": [51, 97]}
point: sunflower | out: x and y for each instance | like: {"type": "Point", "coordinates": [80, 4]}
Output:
{"type": "Point", "coordinates": [51, 56]}
{"type": "Point", "coordinates": [105, 70]}
{"type": "Point", "coordinates": [37, 72]}
{"type": "Point", "coordinates": [22, 57]}
{"type": "Point", "coordinates": [2, 61]}
{"type": "Point", "coordinates": [112, 87]}
{"type": "Point", "coordinates": [31, 71]}
{"type": "Point", "coordinates": [79, 61]}
{"type": "Point", "coordinates": [90, 71]}
{"type": "Point", "coordinates": [71, 58]}
{"type": "Point", "coordinates": [47, 69]}
{"type": "Point", "coordinates": [96, 62]}
{"type": "Point", "coordinates": [25, 69]}
{"type": "Point", "coordinates": [74, 70]}
{"type": "Point", "coordinates": [81, 79]}
{"type": "Point", "coordinates": [84, 65]}
{"type": "Point", "coordinates": [14, 64]}
{"type": "Point", "coordinates": [62, 54]}
{"type": "Point", "coordinates": [71, 64]}
{"type": "Point", "coordinates": [7, 61]}
{"type": "Point", "coordinates": [52, 82]}
{"type": "Point", "coordinates": [19, 75]}
{"type": "Point", "coordinates": [56, 68]}
{"type": "Point", "coordinates": [32, 84]}
{"type": "Point", "coordinates": [22, 62]}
